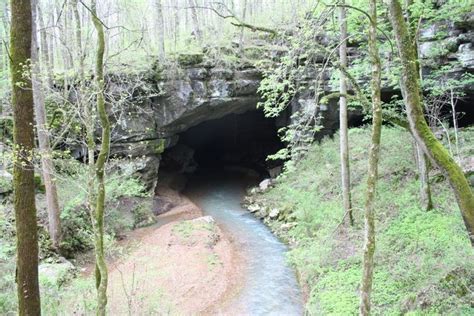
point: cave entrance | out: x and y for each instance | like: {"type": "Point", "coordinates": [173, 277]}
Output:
{"type": "Point", "coordinates": [243, 140]}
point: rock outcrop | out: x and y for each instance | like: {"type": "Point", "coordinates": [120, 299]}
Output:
{"type": "Point", "coordinates": [196, 90]}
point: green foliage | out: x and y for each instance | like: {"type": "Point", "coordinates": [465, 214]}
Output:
{"type": "Point", "coordinates": [77, 227]}
{"type": "Point", "coordinates": [190, 59]}
{"type": "Point", "coordinates": [5, 185]}
{"type": "Point", "coordinates": [423, 263]}
{"type": "Point", "coordinates": [7, 266]}
{"type": "Point", "coordinates": [451, 10]}
{"type": "Point", "coordinates": [76, 297]}
{"type": "Point", "coordinates": [77, 234]}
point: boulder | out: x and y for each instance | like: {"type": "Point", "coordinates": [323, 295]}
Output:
{"type": "Point", "coordinates": [274, 213]}
{"type": "Point", "coordinates": [265, 184]}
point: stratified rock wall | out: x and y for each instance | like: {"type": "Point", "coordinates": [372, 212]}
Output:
{"type": "Point", "coordinates": [173, 100]}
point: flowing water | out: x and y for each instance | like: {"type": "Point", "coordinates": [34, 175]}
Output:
{"type": "Point", "coordinates": [270, 286]}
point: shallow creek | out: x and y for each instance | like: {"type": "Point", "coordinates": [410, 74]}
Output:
{"type": "Point", "coordinates": [270, 286]}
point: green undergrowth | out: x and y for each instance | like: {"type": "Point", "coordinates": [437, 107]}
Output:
{"type": "Point", "coordinates": [424, 264]}
{"type": "Point", "coordinates": [127, 207]}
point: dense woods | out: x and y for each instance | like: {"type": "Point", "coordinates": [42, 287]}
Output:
{"type": "Point", "coordinates": [348, 122]}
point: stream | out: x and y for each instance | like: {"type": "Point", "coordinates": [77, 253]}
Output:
{"type": "Point", "coordinates": [270, 286]}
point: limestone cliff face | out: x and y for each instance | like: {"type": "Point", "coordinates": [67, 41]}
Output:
{"type": "Point", "coordinates": [172, 101]}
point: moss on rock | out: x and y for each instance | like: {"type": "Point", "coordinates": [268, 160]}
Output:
{"type": "Point", "coordinates": [189, 59]}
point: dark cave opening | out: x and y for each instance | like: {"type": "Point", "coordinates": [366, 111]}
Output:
{"type": "Point", "coordinates": [243, 140]}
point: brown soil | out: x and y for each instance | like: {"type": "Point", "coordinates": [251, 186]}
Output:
{"type": "Point", "coordinates": [187, 266]}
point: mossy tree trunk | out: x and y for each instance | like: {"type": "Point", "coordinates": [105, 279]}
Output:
{"type": "Point", "coordinates": [422, 160]}
{"type": "Point", "coordinates": [23, 170]}
{"type": "Point", "coordinates": [374, 154]}
{"type": "Point", "coordinates": [411, 90]}
{"type": "Point", "coordinates": [98, 212]}
{"type": "Point", "coordinates": [343, 130]}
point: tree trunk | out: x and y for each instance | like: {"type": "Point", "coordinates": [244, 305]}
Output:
{"type": "Point", "coordinates": [344, 143]}
{"type": "Point", "coordinates": [425, 188]}
{"type": "Point", "coordinates": [47, 67]}
{"type": "Point", "coordinates": [160, 30]}
{"type": "Point", "coordinates": [374, 154]}
{"type": "Point", "coordinates": [23, 170]}
{"type": "Point", "coordinates": [101, 271]}
{"type": "Point", "coordinates": [410, 86]}
{"type": "Point", "coordinates": [52, 204]}
{"type": "Point", "coordinates": [195, 22]}
{"type": "Point", "coordinates": [78, 40]}
{"type": "Point", "coordinates": [422, 159]}
{"type": "Point", "coordinates": [176, 26]}
{"type": "Point", "coordinates": [241, 39]}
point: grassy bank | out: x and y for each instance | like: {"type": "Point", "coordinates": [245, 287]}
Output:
{"type": "Point", "coordinates": [424, 263]}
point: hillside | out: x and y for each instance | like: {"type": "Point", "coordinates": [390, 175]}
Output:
{"type": "Point", "coordinates": [423, 261]}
